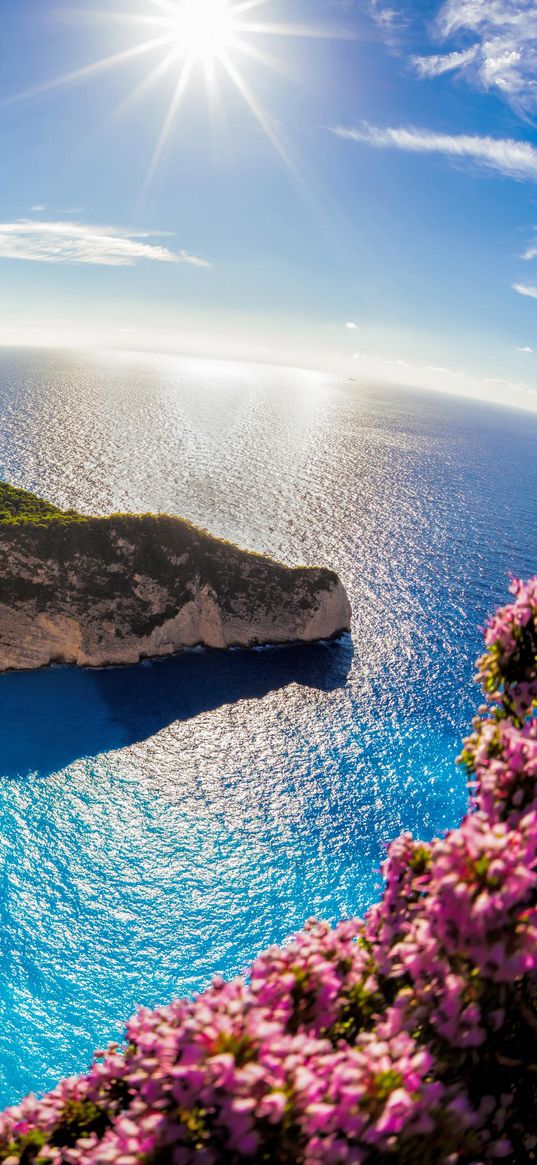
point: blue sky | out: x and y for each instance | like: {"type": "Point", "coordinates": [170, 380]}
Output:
{"type": "Point", "coordinates": [388, 181]}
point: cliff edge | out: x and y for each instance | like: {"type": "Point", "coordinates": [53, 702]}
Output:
{"type": "Point", "coordinates": [101, 591]}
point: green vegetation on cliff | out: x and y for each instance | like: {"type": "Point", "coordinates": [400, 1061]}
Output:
{"type": "Point", "coordinates": [121, 579]}
{"type": "Point", "coordinates": [18, 507]}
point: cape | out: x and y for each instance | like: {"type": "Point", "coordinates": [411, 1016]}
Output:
{"type": "Point", "coordinates": [97, 592]}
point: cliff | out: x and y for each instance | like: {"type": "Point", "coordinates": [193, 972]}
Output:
{"type": "Point", "coordinates": [101, 591]}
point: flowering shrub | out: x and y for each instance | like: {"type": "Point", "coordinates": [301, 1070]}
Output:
{"type": "Point", "coordinates": [407, 1038]}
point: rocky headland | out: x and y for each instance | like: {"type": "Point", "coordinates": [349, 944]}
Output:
{"type": "Point", "coordinates": [95, 592]}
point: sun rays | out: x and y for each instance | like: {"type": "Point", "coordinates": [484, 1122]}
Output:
{"type": "Point", "coordinates": [184, 38]}
{"type": "Point", "coordinates": [213, 36]}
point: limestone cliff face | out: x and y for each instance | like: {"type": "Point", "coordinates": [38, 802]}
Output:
{"type": "Point", "coordinates": [101, 591]}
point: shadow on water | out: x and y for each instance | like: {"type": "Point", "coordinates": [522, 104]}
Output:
{"type": "Point", "coordinates": [51, 718]}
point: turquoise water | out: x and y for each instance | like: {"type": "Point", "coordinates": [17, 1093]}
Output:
{"type": "Point", "coordinates": [161, 823]}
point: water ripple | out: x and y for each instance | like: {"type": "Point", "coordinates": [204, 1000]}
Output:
{"type": "Point", "coordinates": [169, 821]}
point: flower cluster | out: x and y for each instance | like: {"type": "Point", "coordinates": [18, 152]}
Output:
{"type": "Point", "coordinates": [508, 669]}
{"type": "Point", "coordinates": [408, 1038]}
{"type": "Point", "coordinates": [504, 759]}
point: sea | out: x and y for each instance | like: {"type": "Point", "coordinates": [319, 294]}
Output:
{"type": "Point", "coordinates": [164, 823]}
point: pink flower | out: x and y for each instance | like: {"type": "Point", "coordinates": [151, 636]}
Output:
{"type": "Point", "coordinates": [406, 1036]}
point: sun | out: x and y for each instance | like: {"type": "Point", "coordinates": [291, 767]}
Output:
{"type": "Point", "coordinates": [204, 30]}
{"type": "Point", "coordinates": [184, 37]}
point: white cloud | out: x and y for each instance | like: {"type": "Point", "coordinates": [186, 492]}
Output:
{"type": "Point", "coordinates": [61, 242]}
{"type": "Point", "coordinates": [445, 371]}
{"type": "Point", "coordinates": [526, 349]}
{"type": "Point", "coordinates": [515, 159]}
{"type": "Point", "coordinates": [394, 370]}
{"type": "Point", "coordinates": [436, 65]}
{"type": "Point", "coordinates": [351, 326]}
{"type": "Point", "coordinates": [388, 18]}
{"type": "Point", "coordinates": [503, 52]}
{"type": "Point", "coordinates": [525, 289]}
{"type": "Point", "coordinates": [531, 250]}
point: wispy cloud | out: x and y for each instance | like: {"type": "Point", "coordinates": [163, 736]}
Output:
{"type": "Point", "coordinates": [525, 349]}
{"type": "Point", "coordinates": [525, 289]}
{"type": "Point", "coordinates": [503, 53]}
{"type": "Point", "coordinates": [391, 21]}
{"type": "Point", "coordinates": [385, 15]}
{"type": "Point", "coordinates": [351, 326]}
{"type": "Point", "coordinates": [439, 63]}
{"type": "Point", "coordinates": [438, 377]}
{"type": "Point", "coordinates": [62, 242]}
{"type": "Point", "coordinates": [515, 159]}
{"type": "Point", "coordinates": [531, 250]}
